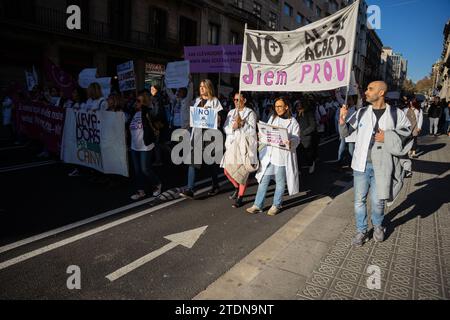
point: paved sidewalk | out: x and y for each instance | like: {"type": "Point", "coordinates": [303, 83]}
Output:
{"type": "Point", "coordinates": [311, 256]}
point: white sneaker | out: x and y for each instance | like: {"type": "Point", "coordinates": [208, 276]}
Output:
{"type": "Point", "coordinates": [157, 191]}
{"type": "Point", "coordinates": [138, 196]}
{"type": "Point", "coordinates": [273, 211]}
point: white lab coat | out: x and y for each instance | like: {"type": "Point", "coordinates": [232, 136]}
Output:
{"type": "Point", "coordinates": [292, 174]}
{"type": "Point", "coordinates": [249, 116]}
{"type": "Point", "coordinates": [364, 134]}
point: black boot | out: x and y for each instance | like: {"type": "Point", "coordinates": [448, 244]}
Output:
{"type": "Point", "coordinates": [234, 195]}
{"type": "Point", "coordinates": [214, 191]}
{"type": "Point", "coordinates": [238, 203]}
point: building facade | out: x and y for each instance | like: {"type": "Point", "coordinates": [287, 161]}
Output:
{"type": "Point", "coordinates": [441, 69]}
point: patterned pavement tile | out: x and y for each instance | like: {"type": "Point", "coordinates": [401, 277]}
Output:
{"type": "Point", "coordinates": [327, 270]}
{"type": "Point", "coordinates": [321, 280]}
{"type": "Point", "coordinates": [405, 251]}
{"type": "Point", "coordinates": [312, 292]}
{"type": "Point", "coordinates": [353, 266]}
{"type": "Point", "coordinates": [336, 296]}
{"type": "Point", "coordinates": [367, 294]}
{"type": "Point", "coordinates": [398, 291]}
{"type": "Point", "coordinates": [403, 269]}
{"type": "Point", "coordinates": [427, 265]}
{"type": "Point", "coordinates": [380, 262]}
{"type": "Point", "coordinates": [419, 295]}
{"type": "Point", "coordinates": [357, 257]}
{"type": "Point", "coordinates": [431, 288]}
{"type": "Point", "coordinates": [349, 276]}
{"type": "Point", "coordinates": [333, 260]}
{"type": "Point", "coordinates": [427, 275]}
{"type": "Point", "coordinates": [344, 287]}
{"type": "Point", "coordinates": [401, 259]}
{"type": "Point", "coordinates": [401, 279]}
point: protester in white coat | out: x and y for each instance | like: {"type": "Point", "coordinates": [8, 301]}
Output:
{"type": "Point", "coordinates": [278, 163]}
{"type": "Point", "coordinates": [370, 124]}
{"type": "Point", "coordinates": [240, 129]}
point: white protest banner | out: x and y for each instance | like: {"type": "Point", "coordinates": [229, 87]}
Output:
{"type": "Point", "coordinates": [316, 57]}
{"type": "Point", "coordinates": [204, 118]}
{"type": "Point", "coordinates": [177, 74]}
{"type": "Point", "coordinates": [272, 136]}
{"type": "Point", "coordinates": [96, 140]}
{"type": "Point", "coordinates": [126, 75]}
{"type": "Point", "coordinates": [88, 76]}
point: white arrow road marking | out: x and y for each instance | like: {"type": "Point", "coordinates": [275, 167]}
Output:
{"type": "Point", "coordinates": [186, 239]}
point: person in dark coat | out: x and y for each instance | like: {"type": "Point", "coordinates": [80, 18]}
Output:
{"type": "Point", "coordinates": [309, 138]}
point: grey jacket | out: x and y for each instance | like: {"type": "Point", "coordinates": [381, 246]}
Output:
{"type": "Point", "coordinates": [389, 161]}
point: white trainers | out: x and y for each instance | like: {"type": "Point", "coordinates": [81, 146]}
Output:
{"type": "Point", "coordinates": [254, 210]}
{"type": "Point", "coordinates": [138, 196]}
{"type": "Point", "coordinates": [157, 191]}
{"type": "Point", "coordinates": [273, 211]}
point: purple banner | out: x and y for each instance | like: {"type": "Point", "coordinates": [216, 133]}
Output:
{"type": "Point", "coordinates": [214, 59]}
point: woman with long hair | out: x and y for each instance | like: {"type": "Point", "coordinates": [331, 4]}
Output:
{"type": "Point", "coordinates": [415, 116]}
{"type": "Point", "coordinates": [277, 163]}
{"type": "Point", "coordinates": [206, 100]}
{"type": "Point", "coordinates": [142, 147]}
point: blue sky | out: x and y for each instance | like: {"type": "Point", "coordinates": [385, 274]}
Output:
{"type": "Point", "coordinates": [415, 29]}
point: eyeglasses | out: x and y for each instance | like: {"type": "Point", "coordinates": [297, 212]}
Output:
{"type": "Point", "coordinates": [236, 100]}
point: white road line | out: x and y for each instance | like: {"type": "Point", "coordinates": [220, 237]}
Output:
{"type": "Point", "coordinates": [26, 166]}
{"type": "Point", "coordinates": [83, 235]}
{"type": "Point", "coordinates": [59, 244]}
{"type": "Point", "coordinates": [82, 223]}
{"type": "Point", "coordinates": [72, 226]}
{"type": "Point", "coordinates": [11, 148]}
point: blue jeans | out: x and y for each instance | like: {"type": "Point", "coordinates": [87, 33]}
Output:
{"type": "Point", "coordinates": [362, 182]}
{"type": "Point", "coordinates": [142, 163]}
{"type": "Point", "coordinates": [351, 148]}
{"type": "Point", "coordinates": [341, 149]}
{"type": "Point", "coordinates": [280, 179]}
{"type": "Point", "coordinates": [191, 176]}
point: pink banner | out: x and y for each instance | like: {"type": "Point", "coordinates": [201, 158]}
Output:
{"type": "Point", "coordinates": [60, 78]}
{"type": "Point", "coordinates": [214, 59]}
{"type": "Point", "coordinates": [41, 122]}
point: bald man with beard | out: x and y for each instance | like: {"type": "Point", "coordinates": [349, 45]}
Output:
{"type": "Point", "coordinates": [371, 170]}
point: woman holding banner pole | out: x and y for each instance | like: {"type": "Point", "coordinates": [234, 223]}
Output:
{"type": "Point", "coordinates": [142, 148]}
{"type": "Point", "coordinates": [277, 163]}
{"type": "Point", "coordinates": [206, 100]}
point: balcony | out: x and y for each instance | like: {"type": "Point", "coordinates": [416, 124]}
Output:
{"type": "Point", "coordinates": [54, 21]}
{"type": "Point", "coordinates": [248, 17]}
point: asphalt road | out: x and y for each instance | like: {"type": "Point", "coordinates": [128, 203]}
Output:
{"type": "Point", "coordinates": [40, 199]}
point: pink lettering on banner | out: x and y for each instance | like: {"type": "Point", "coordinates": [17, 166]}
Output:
{"type": "Point", "coordinates": [268, 77]}
{"type": "Point", "coordinates": [316, 73]}
{"type": "Point", "coordinates": [324, 73]}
